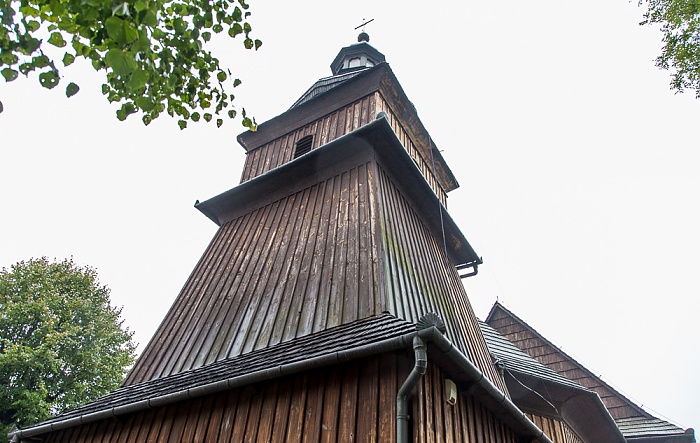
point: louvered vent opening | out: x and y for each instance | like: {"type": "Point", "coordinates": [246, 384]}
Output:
{"type": "Point", "coordinates": [303, 146]}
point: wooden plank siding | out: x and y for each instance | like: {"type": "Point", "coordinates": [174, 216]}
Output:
{"type": "Point", "coordinates": [436, 421]}
{"type": "Point", "coordinates": [353, 402]}
{"type": "Point", "coordinates": [556, 430]}
{"type": "Point", "coordinates": [420, 279]}
{"type": "Point", "coordinates": [424, 164]}
{"type": "Point", "coordinates": [543, 351]}
{"type": "Point", "coordinates": [298, 265]}
{"type": "Point", "coordinates": [322, 256]}
{"type": "Point", "coordinates": [336, 124]}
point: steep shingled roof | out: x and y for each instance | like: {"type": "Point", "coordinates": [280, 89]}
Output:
{"type": "Point", "coordinates": [348, 336]}
{"type": "Point", "coordinates": [518, 361]}
{"type": "Point", "coordinates": [636, 423]}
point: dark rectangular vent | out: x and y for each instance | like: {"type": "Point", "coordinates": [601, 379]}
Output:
{"type": "Point", "coordinates": [303, 146]}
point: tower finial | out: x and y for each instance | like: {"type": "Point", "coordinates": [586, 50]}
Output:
{"type": "Point", "coordinates": [363, 37]}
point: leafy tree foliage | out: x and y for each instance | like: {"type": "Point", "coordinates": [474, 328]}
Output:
{"type": "Point", "coordinates": [61, 343]}
{"type": "Point", "coordinates": [680, 25]}
{"type": "Point", "coordinates": [152, 51]}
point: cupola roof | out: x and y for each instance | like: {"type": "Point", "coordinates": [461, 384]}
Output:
{"type": "Point", "coordinates": [358, 56]}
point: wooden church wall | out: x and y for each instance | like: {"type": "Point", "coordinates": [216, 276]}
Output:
{"type": "Point", "coordinates": [422, 163]}
{"type": "Point", "coordinates": [298, 265]}
{"type": "Point", "coordinates": [353, 402]}
{"type": "Point", "coordinates": [324, 130]}
{"type": "Point", "coordinates": [554, 359]}
{"type": "Point", "coordinates": [437, 421]}
{"type": "Point", "coordinates": [330, 127]}
{"type": "Point", "coordinates": [556, 430]}
{"type": "Point", "coordinates": [419, 278]}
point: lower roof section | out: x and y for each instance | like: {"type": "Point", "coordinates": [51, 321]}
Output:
{"type": "Point", "coordinates": [373, 336]}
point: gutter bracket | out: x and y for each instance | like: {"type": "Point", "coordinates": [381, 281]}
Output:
{"type": "Point", "coordinates": [474, 265]}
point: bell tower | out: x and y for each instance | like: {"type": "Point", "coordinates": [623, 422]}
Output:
{"type": "Point", "coordinates": [340, 216]}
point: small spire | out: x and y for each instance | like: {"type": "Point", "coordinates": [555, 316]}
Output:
{"type": "Point", "coordinates": [363, 37]}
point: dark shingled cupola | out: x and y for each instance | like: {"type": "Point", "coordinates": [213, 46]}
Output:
{"type": "Point", "coordinates": [358, 56]}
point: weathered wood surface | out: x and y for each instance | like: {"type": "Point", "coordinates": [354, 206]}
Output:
{"type": "Point", "coordinates": [420, 279]}
{"type": "Point", "coordinates": [539, 348]}
{"type": "Point", "coordinates": [302, 264]}
{"type": "Point", "coordinates": [556, 430]}
{"type": "Point", "coordinates": [332, 126]}
{"type": "Point", "coordinates": [353, 402]}
{"type": "Point", "coordinates": [436, 421]}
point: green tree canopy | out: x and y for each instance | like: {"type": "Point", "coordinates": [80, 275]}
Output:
{"type": "Point", "coordinates": [680, 25]}
{"type": "Point", "coordinates": [152, 51]}
{"type": "Point", "coordinates": [61, 343]}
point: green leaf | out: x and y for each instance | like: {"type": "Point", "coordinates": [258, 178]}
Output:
{"type": "Point", "coordinates": [217, 28]}
{"type": "Point", "coordinates": [138, 80]}
{"type": "Point", "coordinates": [221, 76]}
{"type": "Point", "coordinates": [232, 113]}
{"type": "Point", "coordinates": [179, 25]}
{"type": "Point", "coordinates": [9, 74]}
{"type": "Point", "coordinates": [206, 36]}
{"type": "Point", "coordinates": [149, 19]}
{"type": "Point", "coordinates": [145, 103]}
{"type": "Point", "coordinates": [48, 79]}
{"type": "Point", "coordinates": [120, 62]}
{"type": "Point", "coordinates": [121, 31]}
{"type": "Point", "coordinates": [219, 122]}
{"type": "Point", "coordinates": [195, 116]}
{"type": "Point", "coordinates": [68, 59]}
{"type": "Point", "coordinates": [2, 108]}
{"type": "Point", "coordinates": [248, 43]}
{"type": "Point", "coordinates": [237, 14]}
{"type": "Point", "coordinates": [236, 82]}
{"type": "Point", "coordinates": [207, 116]}
{"type": "Point", "coordinates": [182, 124]}
{"type": "Point", "coordinates": [235, 30]}
{"type": "Point", "coordinates": [72, 89]}
{"type": "Point", "coordinates": [258, 44]}
{"type": "Point", "coordinates": [25, 68]}
{"type": "Point", "coordinates": [56, 39]}
{"type": "Point", "coordinates": [40, 61]}
{"type": "Point", "coordinates": [32, 25]}
{"type": "Point", "coordinates": [115, 29]}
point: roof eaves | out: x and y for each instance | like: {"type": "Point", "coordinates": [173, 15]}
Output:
{"type": "Point", "coordinates": [497, 305]}
{"type": "Point", "coordinates": [493, 397]}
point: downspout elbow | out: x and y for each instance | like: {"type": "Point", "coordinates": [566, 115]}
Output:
{"type": "Point", "coordinates": [420, 351]}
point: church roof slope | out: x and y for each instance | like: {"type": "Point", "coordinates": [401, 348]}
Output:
{"type": "Point", "coordinates": [635, 423]}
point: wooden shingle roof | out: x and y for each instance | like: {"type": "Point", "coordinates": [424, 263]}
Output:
{"type": "Point", "coordinates": [241, 370]}
{"type": "Point", "coordinates": [635, 423]}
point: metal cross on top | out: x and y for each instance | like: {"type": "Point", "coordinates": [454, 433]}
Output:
{"type": "Point", "coordinates": [364, 24]}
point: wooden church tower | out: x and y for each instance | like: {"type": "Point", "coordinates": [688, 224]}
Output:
{"type": "Point", "coordinates": [329, 305]}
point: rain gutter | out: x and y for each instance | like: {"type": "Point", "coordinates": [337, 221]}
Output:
{"type": "Point", "coordinates": [503, 406]}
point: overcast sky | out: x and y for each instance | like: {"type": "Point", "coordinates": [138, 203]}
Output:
{"type": "Point", "coordinates": [577, 164]}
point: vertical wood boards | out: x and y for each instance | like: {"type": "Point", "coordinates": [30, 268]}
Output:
{"type": "Point", "coordinates": [467, 420]}
{"type": "Point", "coordinates": [424, 165]}
{"type": "Point", "coordinates": [556, 430]}
{"type": "Point", "coordinates": [330, 127]}
{"type": "Point", "coordinates": [354, 402]}
{"type": "Point", "coordinates": [420, 278]}
{"type": "Point", "coordinates": [298, 265]}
